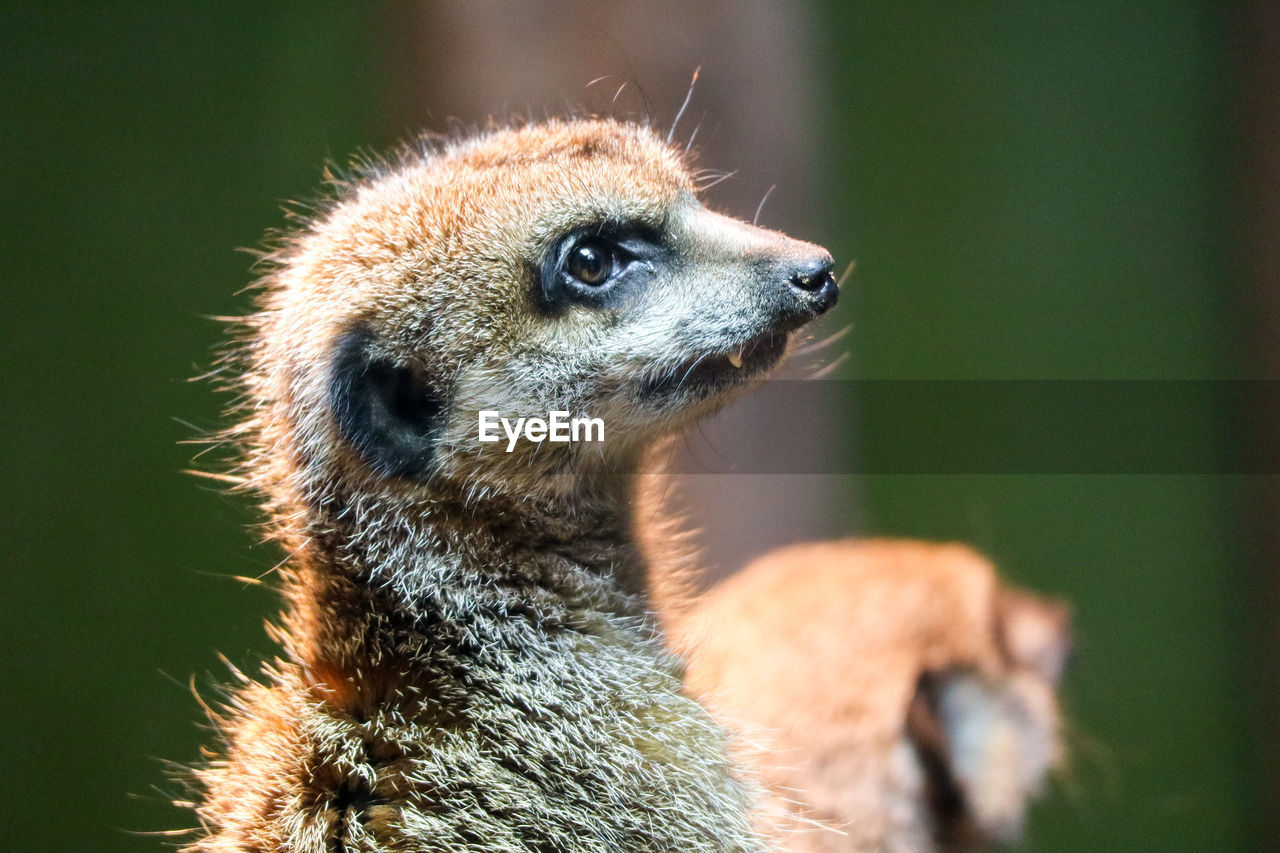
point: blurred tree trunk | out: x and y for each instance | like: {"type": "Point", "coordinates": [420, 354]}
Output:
{"type": "Point", "coordinates": [754, 110]}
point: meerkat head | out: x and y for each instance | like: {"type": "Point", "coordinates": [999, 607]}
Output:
{"type": "Point", "coordinates": [558, 267]}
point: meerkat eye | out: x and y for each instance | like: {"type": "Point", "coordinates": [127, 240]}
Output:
{"type": "Point", "coordinates": [592, 262]}
{"type": "Point", "coordinates": [595, 267]}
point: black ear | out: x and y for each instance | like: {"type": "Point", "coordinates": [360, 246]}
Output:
{"type": "Point", "coordinates": [388, 411]}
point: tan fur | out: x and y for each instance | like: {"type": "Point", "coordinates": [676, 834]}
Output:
{"type": "Point", "coordinates": [468, 660]}
{"type": "Point", "coordinates": [876, 679]}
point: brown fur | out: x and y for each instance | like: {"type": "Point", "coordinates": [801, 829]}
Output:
{"type": "Point", "coordinates": [467, 657]}
{"type": "Point", "coordinates": [854, 668]}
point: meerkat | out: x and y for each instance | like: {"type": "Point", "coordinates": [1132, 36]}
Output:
{"type": "Point", "coordinates": [468, 660]}
{"type": "Point", "coordinates": [896, 696]}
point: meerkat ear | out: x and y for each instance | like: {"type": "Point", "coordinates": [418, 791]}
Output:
{"type": "Point", "coordinates": [387, 411]}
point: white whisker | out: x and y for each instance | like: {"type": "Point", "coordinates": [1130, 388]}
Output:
{"type": "Point", "coordinates": [726, 176]}
{"type": "Point", "coordinates": [671, 134]}
{"type": "Point", "coordinates": [830, 368]}
{"type": "Point", "coordinates": [844, 276]}
{"type": "Point", "coordinates": [760, 206]}
{"type": "Point", "coordinates": [696, 362]}
{"type": "Point", "coordinates": [697, 127]}
{"type": "Point", "coordinates": [824, 343]}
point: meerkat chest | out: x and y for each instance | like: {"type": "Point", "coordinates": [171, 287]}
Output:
{"type": "Point", "coordinates": [581, 742]}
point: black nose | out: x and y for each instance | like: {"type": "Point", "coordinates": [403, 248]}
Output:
{"type": "Point", "coordinates": [816, 284]}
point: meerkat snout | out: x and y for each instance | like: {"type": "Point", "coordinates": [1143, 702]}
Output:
{"type": "Point", "coordinates": [795, 278]}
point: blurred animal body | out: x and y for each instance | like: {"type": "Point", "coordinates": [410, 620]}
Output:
{"type": "Point", "coordinates": [891, 695]}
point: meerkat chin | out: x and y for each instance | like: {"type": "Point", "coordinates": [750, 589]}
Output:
{"type": "Point", "coordinates": [468, 659]}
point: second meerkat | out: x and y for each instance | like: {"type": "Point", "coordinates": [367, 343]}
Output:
{"type": "Point", "coordinates": [468, 657]}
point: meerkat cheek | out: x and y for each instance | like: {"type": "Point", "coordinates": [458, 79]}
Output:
{"type": "Point", "coordinates": [389, 413]}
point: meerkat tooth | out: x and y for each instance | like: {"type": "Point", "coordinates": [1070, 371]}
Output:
{"type": "Point", "coordinates": [735, 357]}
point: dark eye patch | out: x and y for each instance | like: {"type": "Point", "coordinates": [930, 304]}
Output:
{"type": "Point", "coordinates": [595, 265]}
{"type": "Point", "coordinates": [387, 411]}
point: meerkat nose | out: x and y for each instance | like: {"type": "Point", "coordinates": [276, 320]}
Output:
{"type": "Point", "coordinates": [814, 278]}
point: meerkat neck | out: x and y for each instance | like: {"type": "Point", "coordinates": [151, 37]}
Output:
{"type": "Point", "coordinates": [397, 566]}
{"type": "Point", "coordinates": [368, 534]}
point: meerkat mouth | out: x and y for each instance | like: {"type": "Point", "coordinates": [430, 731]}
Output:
{"type": "Point", "coordinates": [711, 371]}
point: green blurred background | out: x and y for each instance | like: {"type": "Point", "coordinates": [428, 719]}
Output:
{"type": "Point", "coordinates": [1032, 190]}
